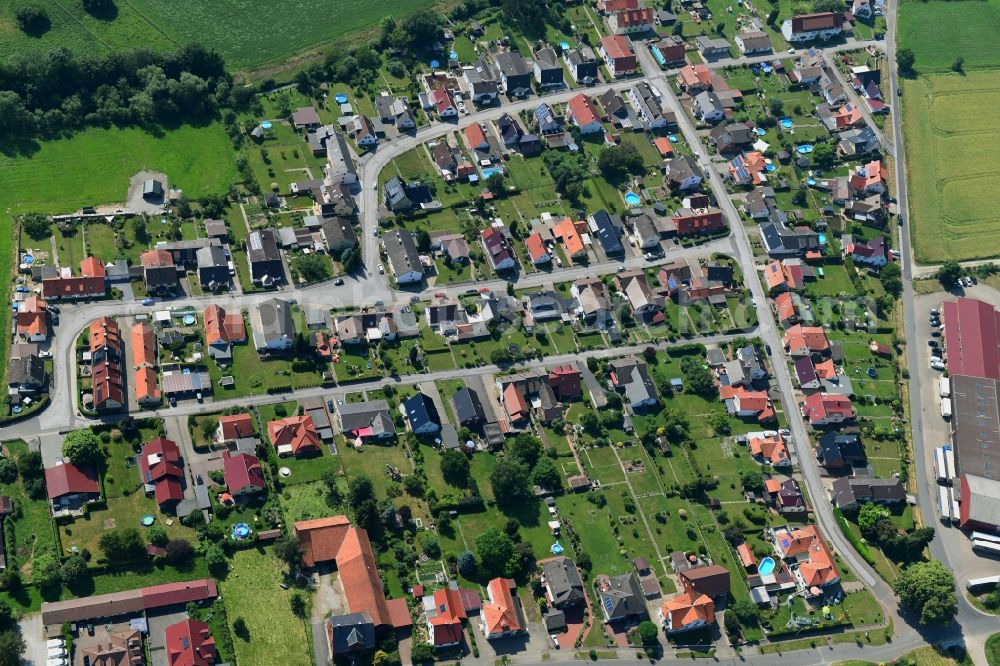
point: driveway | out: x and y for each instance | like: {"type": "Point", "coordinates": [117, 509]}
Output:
{"type": "Point", "coordinates": [158, 624]}
{"type": "Point", "coordinates": [31, 628]}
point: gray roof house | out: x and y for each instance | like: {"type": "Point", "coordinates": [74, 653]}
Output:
{"type": "Point", "coordinates": [483, 84]}
{"type": "Point", "coordinates": [468, 407]}
{"type": "Point", "coordinates": [272, 326]}
{"type": "Point", "coordinates": [264, 257]}
{"type": "Point", "coordinates": [583, 64]}
{"type": "Point", "coordinates": [350, 634]}
{"type": "Point", "coordinates": [548, 70]}
{"type": "Point", "coordinates": [515, 75]}
{"type": "Point", "coordinates": [707, 107]}
{"type": "Point", "coordinates": [562, 582]}
{"type": "Point", "coordinates": [404, 260]}
{"type": "Point", "coordinates": [338, 234]}
{"type": "Point", "coordinates": [152, 190]}
{"type": "Point", "coordinates": [621, 597]}
{"type": "Point", "coordinates": [849, 493]}
{"type": "Point", "coordinates": [213, 267]}
{"type": "Point", "coordinates": [26, 374]}
{"type": "Point", "coordinates": [630, 376]}
{"type": "Point", "coordinates": [340, 167]}
{"type": "Point", "coordinates": [366, 420]}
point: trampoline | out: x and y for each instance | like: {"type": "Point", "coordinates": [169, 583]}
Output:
{"type": "Point", "coordinates": [786, 123]}
{"type": "Point", "coordinates": [632, 199]}
{"type": "Point", "coordinates": [341, 98]}
{"type": "Point", "coordinates": [241, 531]}
{"type": "Point", "coordinates": [766, 566]}
{"type": "Point", "coordinates": [188, 320]}
{"type": "Point", "coordinates": [147, 520]}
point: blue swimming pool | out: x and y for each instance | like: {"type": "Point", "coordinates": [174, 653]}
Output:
{"type": "Point", "coordinates": [341, 98]}
{"type": "Point", "coordinates": [492, 170]}
{"type": "Point", "coordinates": [786, 123]}
{"type": "Point", "coordinates": [761, 131]}
{"type": "Point", "coordinates": [771, 167]}
{"type": "Point", "coordinates": [673, 138]}
{"type": "Point", "coordinates": [766, 566]}
{"type": "Point", "coordinates": [810, 181]}
{"type": "Point", "coordinates": [435, 64]}
{"type": "Point", "coordinates": [822, 238]}
{"type": "Point", "coordinates": [632, 199]}
{"type": "Point", "coordinates": [804, 149]}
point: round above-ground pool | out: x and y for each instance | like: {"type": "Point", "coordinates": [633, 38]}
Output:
{"type": "Point", "coordinates": [341, 98]}
{"type": "Point", "coordinates": [241, 531]}
{"type": "Point", "coordinates": [453, 55]}
{"type": "Point", "coordinates": [188, 320]}
{"type": "Point", "coordinates": [148, 520]}
{"type": "Point", "coordinates": [766, 566]}
{"type": "Point", "coordinates": [673, 138]}
{"type": "Point", "coordinates": [810, 181]}
{"type": "Point", "coordinates": [761, 131]}
{"type": "Point", "coordinates": [435, 64]}
{"type": "Point", "coordinates": [771, 167]}
{"type": "Point", "coordinates": [632, 199]}
{"type": "Point", "coordinates": [27, 259]}
{"type": "Point", "coordinates": [786, 123]}
{"type": "Point", "coordinates": [804, 149]}
{"type": "Point", "coordinates": [556, 548]}
{"type": "Point", "coordinates": [266, 124]}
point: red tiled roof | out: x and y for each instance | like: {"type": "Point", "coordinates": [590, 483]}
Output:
{"type": "Point", "coordinates": [633, 17]}
{"type": "Point", "coordinates": [297, 432]}
{"type": "Point", "coordinates": [236, 426]}
{"type": "Point", "coordinates": [143, 345]}
{"type": "Point", "coordinates": [160, 465]}
{"type": "Point", "coordinates": [156, 259]}
{"type": "Point", "coordinates": [662, 144]}
{"type": "Point", "coordinates": [223, 327]}
{"type": "Point", "coordinates": [972, 329]}
{"type": "Point", "coordinates": [474, 135]}
{"type": "Point", "coordinates": [446, 624]}
{"type": "Point", "coordinates": [500, 614]}
{"type": "Point", "coordinates": [171, 594]}
{"type": "Point", "coordinates": [147, 385]}
{"type": "Point", "coordinates": [242, 471]}
{"type": "Point", "coordinates": [582, 110]}
{"type": "Point", "coordinates": [190, 643]}
{"type": "Point", "coordinates": [536, 247]}
{"type": "Point", "coordinates": [820, 406]}
{"type": "Point", "coordinates": [104, 332]}
{"type": "Point", "coordinates": [67, 479]}
{"type": "Point", "coordinates": [687, 609]}
{"type": "Point", "coordinates": [513, 400]}
{"type": "Point", "coordinates": [91, 267]}
{"type": "Point", "coordinates": [617, 46]}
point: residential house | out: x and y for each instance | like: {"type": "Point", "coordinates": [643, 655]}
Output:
{"type": "Point", "coordinates": [838, 118]}
{"type": "Point", "coordinates": [732, 138]}
{"type": "Point", "coordinates": [867, 179]}
{"type": "Point", "coordinates": [338, 235]}
{"type": "Point", "coordinates": [272, 326]}
{"type": "Point", "coordinates": [769, 448]}
{"type": "Point", "coordinates": [161, 474]}
{"type": "Point", "coordinates": [401, 197]}
{"type": "Point", "coordinates": [515, 74]}
{"type": "Point", "coordinates": [645, 231]}
{"type": "Point", "coordinates": [580, 111]}
{"type": "Point", "coordinates": [394, 110]}
{"type": "Point", "coordinates": [306, 118]}
{"type": "Point", "coordinates": [787, 308]}
{"type": "Point", "coordinates": [822, 409]}
{"type": "Point", "coordinates": [468, 408]}
{"type": "Point", "coordinates": [689, 221]}
{"type": "Point", "coordinates": [510, 130]}
{"type": "Point", "coordinates": [686, 612]}
{"type": "Point", "coordinates": [32, 319]}
{"type": "Point", "coordinates": [562, 583]}
{"type": "Point", "coordinates": [404, 260]}
{"type": "Point", "coordinates": [647, 104]}
{"type": "Point", "coordinates": [294, 435]}
{"type": "Point", "coordinates": [712, 48]}
{"type": "Point", "coordinates": [620, 114]}
{"type": "Point", "coordinates": [857, 142]}
{"type": "Point", "coordinates": [501, 615]}
{"type": "Point", "coordinates": [750, 168]}
{"type": "Point", "coordinates": [630, 376]}
{"type": "Point", "coordinates": [144, 360]}
{"type": "Point", "coordinates": [365, 421]}
{"type": "Point", "coordinates": [443, 103]}
{"type": "Point", "coordinates": [805, 373]}
{"type": "Point", "coordinates": [582, 64]}
{"type": "Point", "coordinates": [607, 7]}
{"type": "Point", "coordinates": [236, 431]}
{"type": "Point", "coordinates": [712, 580]}
{"type": "Point", "coordinates": [71, 486]}
{"type": "Point", "coordinates": [594, 304]}
{"type": "Point", "coordinates": [850, 493]}
{"type": "Point", "coordinates": [475, 139]}
{"type": "Point", "coordinates": [565, 381]}
{"type": "Point", "coordinates": [222, 331]}
{"type": "Point", "coordinates": [159, 272]}
{"type": "Point", "coordinates": [622, 597]}
{"type": "Point", "coordinates": [802, 340]}
{"type": "Point", "coordinates": [673, 50]}
{"type": "Point", "coordinates": [618, 54]}
{"type": "Point", "coordinates": [266, 267]}
{"type": "Point", "coordinates": [837, 450]}
{"type": "Point", "coordinates": [861, 9]}
{"type": "Point", "coordinates": [683, 173]}
{"type": "Point", "coordinates": [26, 375]}
{"type": "Point", "coordinates": [242, 473]}
{"type": "Point", "coordinates": [484, 86]}
{"type": "Point", "coordinates": [546, 121]}
{"type": "Point", "coordinates": [340, 167]}
{"type": "Point", "coordinates": [189, 643]}
{"type": "Point", "coordinates": [522, 392]}
{"type": "Point", "coordinates": [454, 247]}
{"type": "Point", "coordinates": [64, 286]}
{"type": "Point", "coordinates": [350, 634]}
{"type": "Point", "coordinates": [871, 253]}
{"type": "Point", "coordinates": [547, 69]}
{"type": "Point", "coordinates": [608, 231]}
{"type": "Point", "coordinates": [632, 21]}
{"type": "Point", "coordinates": [645, 304]}
{"type": "Point", "coordinates": [107, 354]}
{"type": "Point", "coordinates": [814, 566]}
{"type": "Point", "coordinates": [810, 27]}
{"type": "Point", "coordinates": [498, 248]}
{"type": "Point", "coordinates": [707, 107]}
{"type": "Point", "coordinates": [422, 415]}
{"type": "Point", "coordinates": [753, 43]}
{"type": "Point", "coordinates": [789, 498]}
{"type": "Point", "coordinates": [747, 404]}
{"type": "Point", "coordinates": [537, 251]}
{"type": "Point", "coordinates": [694, 79]}
{"type": "Point", "coordinates": [444, 618]}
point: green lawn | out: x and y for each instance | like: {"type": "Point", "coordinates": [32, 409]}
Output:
{"type": "Point", "coordinates": [252, 590]}
{"type": "Point", "coordinates": [33, 528]}
{"type": "Point", "coordinates": [305, 502]}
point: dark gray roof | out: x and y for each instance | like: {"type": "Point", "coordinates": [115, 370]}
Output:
{"type": "Point", "coordinates": [563, 581]}
{"type": "Point", "coordinates": [401, 249]}
{"type": "Point", "coordinates": [262, 245]}
{"type": "Point", "coordinates": [608, 231]}
{"type": "Point", "coordinates": [354, 416]}
{"type": "Point", "coordinates": [354, 632]}
{"type": "Point", "coordinates": [511, 64]}
{"type": "Point", "coordinates": [468, 407]}
{"type": "Point", "coordinates": [623, 597]}
{"type": "Point", "coordinates": [211, 256]}
{"type": "Point", "coordinates": [28, 370]}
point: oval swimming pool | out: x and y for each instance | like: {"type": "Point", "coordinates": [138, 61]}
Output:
{"type": "Point", "coordinates": [766, 566]}
{"type": "Point", "coordinates": [632, 199]}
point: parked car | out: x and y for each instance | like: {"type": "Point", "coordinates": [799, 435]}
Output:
{"type": "Point", "coordinates": [932, 343]}
{"type": "Point", "coordinates": [937, 364]}
{"type": "Point", "coordinates": [338, 282]}
{"type": "Point", "coordinates": [381, 269]}
{"type": "Point", "coordinates": [148, 301]}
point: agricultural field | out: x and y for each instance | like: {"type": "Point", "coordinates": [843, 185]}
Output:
{"type": "Point", "coordinates": [954, 185]}
{"type": "Point", "coordinates": [952, 180]}
{"type": "Point", "coordinates": [247, 33]}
